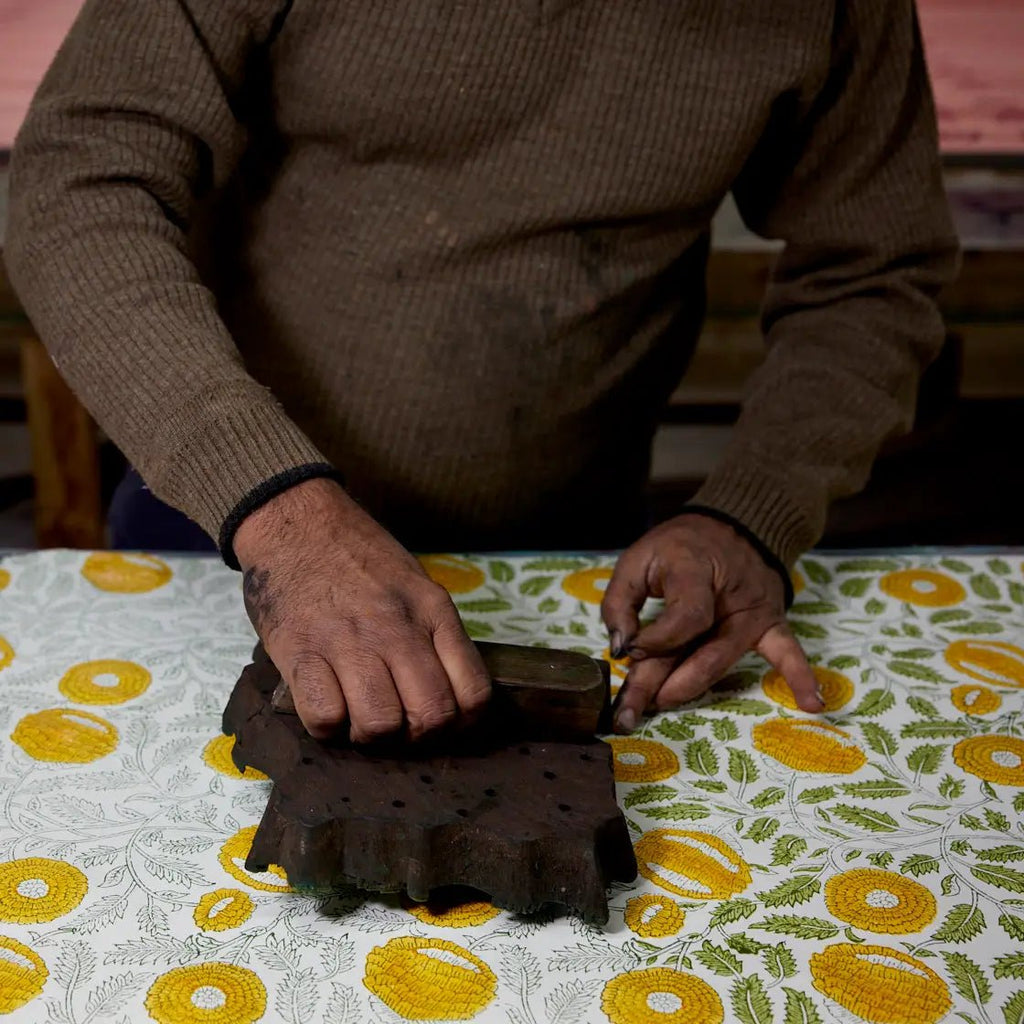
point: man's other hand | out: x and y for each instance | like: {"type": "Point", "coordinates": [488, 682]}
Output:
{"type": "Point", "coordinates": [352, 622]}
{"type": "Point", "coordinates": [721, 600]}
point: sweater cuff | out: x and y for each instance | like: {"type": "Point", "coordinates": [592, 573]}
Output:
{"type": "Point", "coordinates": [224, 449]}
{"type": "Point", "coordinates": [767, 505]}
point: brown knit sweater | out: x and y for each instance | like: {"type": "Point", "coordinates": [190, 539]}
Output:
{"type": "Point", "coordinates": [457, 249]}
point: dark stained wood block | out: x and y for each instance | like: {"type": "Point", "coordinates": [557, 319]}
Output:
{"type": "Point", "coordinates": [529, 822]}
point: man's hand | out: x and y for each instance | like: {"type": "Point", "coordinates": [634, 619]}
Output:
{"type": "Point", "coordinates": [354, 625]}
{"type": "Point", "coordinates": [721, 600]}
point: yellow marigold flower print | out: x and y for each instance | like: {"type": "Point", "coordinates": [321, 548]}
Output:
{"type": "Point", "coordinates": [808, 746]}
{"type": "Point", "coordinates": [975, 700]}
{"type": "Point", "coordinates": [5, 579]}
{"type": "Point", "coordinates": [642, 760]}
{"type": "Point", "coordinates": [222, 909]}
{"type": "Point", "coordinates": [232, 859]}
{"type": "Point", "coordinates": [583, 584]}
{"type": "Point", "coordinates": [661, 995]}
{"type": "Point", "coordinates": [125, 574]}
{"type": "Point", "coordinates": [104, 682]}
{"type": "Point", "coordinates": [65, 735]}
{"type": "Point", "coordinates": [467, 914]}
{"type": "Point", "coordinates": [695, 865]}
{"type": "Point", "coordinates": [988, 661]}
{"type": "Point", "coordinates": [213, 993]}
{"type": "Point", "coordinates": [994, 758]}
{"type": "Point", "coordinates": [35, 890]}
{"type": "Point", "coordinates": [456, 575]}
{"type": "Point", "coordinates": [22, 974]}
{"type": "Point", "coordinates": [654, 917]}
{"type": "Point", "coordinates": [836, 689]}
{"type": "Point", "coordinates": [6, 653]}
{"type": "Point", "coordinates": [799, 583]}
{"type": "Point", "coordinates": [923, 587]}
{"type": "Point", "coordinates": [880, 984]}
{"type": "Point", "coordinates": [217, 754]}
{"type": "Point", "coordinates": [429, 979]}
{"type": "Point", "coordinates": [880, 901]}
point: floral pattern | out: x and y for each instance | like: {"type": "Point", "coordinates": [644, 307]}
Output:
{"type": "Point", "coordinates": [867, 863]}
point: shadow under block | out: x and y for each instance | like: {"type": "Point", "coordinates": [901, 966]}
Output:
{"type": "Point", "coordinates": [528, 822]}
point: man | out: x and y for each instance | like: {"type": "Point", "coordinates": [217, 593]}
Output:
{"type": "Point", "coordinates": [347, 279]}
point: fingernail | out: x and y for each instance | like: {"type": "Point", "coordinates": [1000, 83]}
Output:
{"type": "Point", "coordinates": [615, 644]}
{"type": "Point", "coordinates": [820, 696]}
{"type": "Point", "coordinates": [626, 722]}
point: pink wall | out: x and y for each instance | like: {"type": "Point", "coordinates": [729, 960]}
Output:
{"type": "Point", "coordinates": [975, 49]}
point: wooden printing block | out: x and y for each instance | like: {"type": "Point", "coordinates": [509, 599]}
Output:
{"type": "Point", "coordinates": [519, 810]}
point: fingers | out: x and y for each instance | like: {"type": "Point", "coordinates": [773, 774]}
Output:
{"type": "Point", "coordinates": [779, 647]}
{"type": "Point", "coordinates": [638, 692]}
{"type": "Point", "coordinates": [374, 706]}
{"type": "Point", "coordinates": [623, 598]}
{"type": "Point", "coordinates": [701, 670]}
{"type": "Point", "coordinates": [461, 661]}
{"type": "Point", "coordinates": [319, 701]}
{"type": "Point", "coordinates": [688, 614]}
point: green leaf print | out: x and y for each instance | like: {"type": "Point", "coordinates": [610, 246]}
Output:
{"type": "Point", "coordinates": [800, 1009]}
{"type": "Point", "coordinates": [778, 961]}
{"type": "Point", "coordinates": [1016, 592]}
{"type": "Point", "coordinates": [792, 891]}
{"type": "Point", "coordinates": [678, 812]}
{"type": "Point", "coordinates": [1018, 802]}
{"type": "Point", "coordinates": [750, 1002]}
{"type": "Point", "coordinates": [807, 630]}
{"type": "Point", "coordinates": [711, 785]}
{"type": "Point", "coordinates": [718, 959]}
{"type": "Point", "coordinates": [925, 759]}
{"type": "Point", "coordinates": [648, 794]}
{"type": "Point", "coordinates": [744, 944]}
{"type": "Point", "coordinates": [879, 739]}
{"type": "Point", "coordinates": [535, 585]}
{"type": "Point", "coordinates": [762, 829]}
{"type": "Point", "coordinates": [999, 876]}
{"type": "Point", "coordinates": [955, 565]}
{"type": "Point", "coordinates": [744, 706]}
{"type": "Point", "coordinates": [911, 670]}
{"type": "Point", "coordinates": [724, 730]}
{"type": "Point", "coordinates": [925, 708]}
{"type": "Point", "coordinates": [813, 608]}
{"type": "Point", "coordinates": [970, 821]}
{"type": "Point", "coordinates": [868, 565]}
{"type": "Point", "coordinates": [801, 927]}
{"type": "Point", "coordinates": [876, 789]}
{"type": "Point", "coordinates": [501, 572]}
{"type": "Point", "coordinates": [549, 605]}
{"type": "Point", "coordinates": [950, 615]}
{"type": "Point", "coordinates": [855, 586]}
{"type": "Point", "coordinates": [675, 729]}
{"type": "Point", "coordinates": [935, 729]}
{"type": "Point", "coordinates": [918, 864]}
{"type": "Point", "coordinates": [968, 977]}
{"type": "Point", "coordinates": [951, 788]}
{"type": "Point", "coordinates": [874, 606]}
{"type": "Point", "coordinates": [844, 661]}
{"type": "Point", "coordinates": [874, 702]}
{"type": "Point", "coordinates": [914, 653]}
{"type": "Point", "coordinates": [732, 910]}
{"type": "Point", "coordinates": [741, 767]}
{"type": "Point", "coordinates": [554, 565]}
{"type": "Point", "coordinates": [962, 923]}
{"type": "Point", "coordinates": [980, 628]}
{"type": "Point", "coordinates": [701, 758]}
{"type": "Point", "coordinates": [816, 795]}
{"type": "Point", "coordinates": [816, 572]}
{"type": "Point", "coordinates": [477, 629]}
{"type": "Point", "coordinates": [1009, 966]}
{"type": "Point", "coordinates": [985, 587]}
{"type": "Point", "coordinates": [1013, 1009]}
{"type": "Point", "coordinates": [485, 604]}
{"type": "Point", "coordinates": [866, 817]}
{"type": "Point", "coordinates": [578, 629]}
{"type": "Point", "coordinates": [1002, 854]}
{"type": "Point", "coordinates": [767, 797]}
{"type": "Point", "coordinates": [786, 849]}
{"type": "Point", "coordinates": [881, 858]}
{"type": "Point", "coordinates": [997, 820]}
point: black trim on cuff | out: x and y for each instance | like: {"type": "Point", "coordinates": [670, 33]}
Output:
{"type": "Point", "coordinates": [770, 558]}
{"type": "Point", "coordinates": [260, 495]}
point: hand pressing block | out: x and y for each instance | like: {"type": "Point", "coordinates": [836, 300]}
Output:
{"type": "Point", "coordinates": [522, 807]}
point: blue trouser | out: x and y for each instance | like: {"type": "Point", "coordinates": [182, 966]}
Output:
{"type": "Point", "coordinates": [140, 521]}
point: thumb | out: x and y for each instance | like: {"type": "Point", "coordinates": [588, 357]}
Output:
{"type": "Point", "coordinates": [623, 599]}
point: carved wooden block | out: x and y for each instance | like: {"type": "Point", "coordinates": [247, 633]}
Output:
{"type": "Point", "coordinates": [528, 821]}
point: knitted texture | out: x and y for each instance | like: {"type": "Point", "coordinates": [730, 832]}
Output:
{"type": "Point", "coordinates": [457, 250]}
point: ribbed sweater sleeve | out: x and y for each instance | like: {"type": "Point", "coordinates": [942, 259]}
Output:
{"type": "Point", "coordinates": [134, 123]}
{"type": "Point", "coordinates": [853, 186]}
